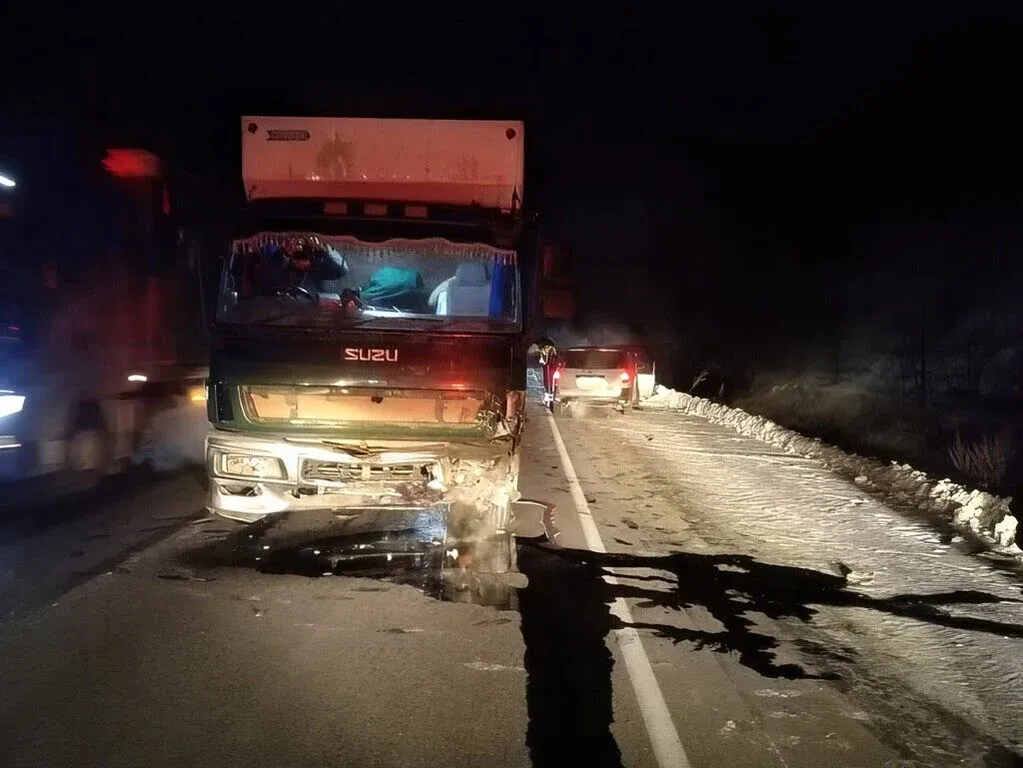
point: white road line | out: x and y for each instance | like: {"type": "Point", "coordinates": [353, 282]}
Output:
{"type": "Point", "coordinates": [659, 726]}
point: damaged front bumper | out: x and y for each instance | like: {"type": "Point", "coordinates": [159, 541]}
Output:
{"type": "Point", "coordinates": [252, 477]}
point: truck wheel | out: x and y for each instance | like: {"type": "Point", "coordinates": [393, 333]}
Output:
{"type": "Point", "coordinates": [88, 450]}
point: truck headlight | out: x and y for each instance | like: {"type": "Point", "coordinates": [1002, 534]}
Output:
{"type": "Point", "coordinates": [11, 403]}
{"type": "Point", "coordinates": [243, 465]}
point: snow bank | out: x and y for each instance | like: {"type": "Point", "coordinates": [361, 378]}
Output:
{"type": "Point", "coordinates": [982, 514]}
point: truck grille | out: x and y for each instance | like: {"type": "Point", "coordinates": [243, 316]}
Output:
{"type": "Point", "coordinates": [345, 472]}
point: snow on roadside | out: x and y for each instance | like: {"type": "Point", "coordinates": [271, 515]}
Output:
{"type": "Point", "coordinates": [982, 514]}
{"type": "Point", "coordinates": [947, 666]}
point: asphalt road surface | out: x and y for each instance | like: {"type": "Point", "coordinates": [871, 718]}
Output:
{"type": "Point", "coordinates": [132, 637]}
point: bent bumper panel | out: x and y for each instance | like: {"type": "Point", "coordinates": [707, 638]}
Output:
{"type": "Point", "coordinates": [475, 484]}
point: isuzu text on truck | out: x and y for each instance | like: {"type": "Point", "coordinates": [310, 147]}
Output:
{"type": "Point", "coordinates": [367, 376]}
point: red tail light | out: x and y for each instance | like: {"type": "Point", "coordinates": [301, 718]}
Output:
{"type": "Point", "coordinates": [625, 377]}
{"type": "Point", "coordinates": [557, 374]}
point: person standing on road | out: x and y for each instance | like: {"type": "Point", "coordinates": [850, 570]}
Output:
{"type": "Point", "coordinates": [549, 364]}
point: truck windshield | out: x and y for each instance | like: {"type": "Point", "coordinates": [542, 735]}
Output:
{"type": "Point", "coordinates": [306, 279]}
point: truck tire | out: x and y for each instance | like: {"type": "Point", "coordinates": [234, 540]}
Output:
{"type": "Point", "coordinates": [87, 455]}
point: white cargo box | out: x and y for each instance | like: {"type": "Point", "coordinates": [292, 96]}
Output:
{"type": "Point", "coordinates": [451, 162]}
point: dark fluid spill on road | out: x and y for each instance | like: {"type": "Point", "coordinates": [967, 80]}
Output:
{"type": "Point", "coordinates": [409, 557]}
{"type": "Point", "coordinates": [1004, 757]}
{"type": "Point", "coordinates": [411, 550]}
{"type": "Point", "coordinates": [564, 621]}
{"type": "Point", "coordinates": [735, 589]}
{"type": "Point", "coordinates": [565, 617]}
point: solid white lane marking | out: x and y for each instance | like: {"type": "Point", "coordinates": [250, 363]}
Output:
{"type": "Point", "coordinates": [659, 726]}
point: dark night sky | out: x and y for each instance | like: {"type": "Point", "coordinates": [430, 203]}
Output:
{"type": "Point", "coordinates": [684, 147]}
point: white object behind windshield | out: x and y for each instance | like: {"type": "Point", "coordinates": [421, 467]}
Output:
{"type": "Point", "coordinates": [304, 278]}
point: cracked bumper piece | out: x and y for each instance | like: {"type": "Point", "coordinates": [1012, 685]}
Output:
{"type": "Point", "coordinates": [252, 477]}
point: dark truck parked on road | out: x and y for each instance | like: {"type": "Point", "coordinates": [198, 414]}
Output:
{"type": "Point", "coordinates": [368, 369]}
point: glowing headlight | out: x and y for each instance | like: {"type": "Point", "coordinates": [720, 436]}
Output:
{"type": "Point", "coordinates": [197, 394]}
{"type": "Point", "coordinates": [10, 403]}
{"type": "Point", "coordinates": [241, 465]}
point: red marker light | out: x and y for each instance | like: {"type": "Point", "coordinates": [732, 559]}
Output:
{"type": "Point", "coordinates": [132, 164]}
